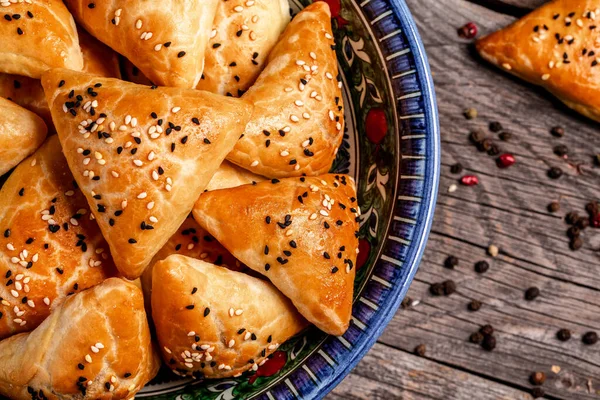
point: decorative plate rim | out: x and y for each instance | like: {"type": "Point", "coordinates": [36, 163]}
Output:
{"type": "Point", "coordinates": [426, 213]}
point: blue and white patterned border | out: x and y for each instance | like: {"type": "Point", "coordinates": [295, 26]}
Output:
{"type": "Point", "coordinates": [416, 191]}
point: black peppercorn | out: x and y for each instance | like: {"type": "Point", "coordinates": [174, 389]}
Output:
{"type": "Point", "coordinates": [554, 206]}
{"type": "Point", "coordinates": [495, 126]}
{"type": "Point", "coordinates": [563, 335]}
{"type": "Point", "coordinates": [537, 392]}
{"type": "Point", "coordinates": [451, 262]}
{"type": "Point", "coordinates": [532, 293]}
{"type": "Point", "coordinates": [436, 289]}
{"type": "Point", "coordinates": [561, 150]}
{"type": "Point", "coordinates": [590, 338]}
{"type": "Point", "coordinates": [489, 342]}
{"type": "Point", "coordinates": [555, 173]}
{"type": "Point", "coordinates": [476, 338]}
{"type": "Point", "coordinates": [420, 350]}
{"type": "Point", "coordinates": [456, 168]}
{"type": "Point", "coordinates": [474, 305]}
{"type": "Point", "coordinates": [487, 330]}
{"type": "Point", "coordinates": [557, 131]}
{"type": "Point", "coordinates": [481, 267]}
{"type": "Point", "coordinates": [572, 217]}
{"type": "Point", "coordinates": [449, 287]}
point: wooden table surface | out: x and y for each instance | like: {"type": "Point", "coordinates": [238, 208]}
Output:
{"type": "Point", "coordinates": [509, 209]}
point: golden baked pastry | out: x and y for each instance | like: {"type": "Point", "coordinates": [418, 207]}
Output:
{"type": "Point", "coordinates": [230, 175]}
{"type": "Point", "coordinates": [166, 40]}
{"type": "Point", "coordinates": [28, 92]}
{"type": "Point", "coordinates": [298, 121]}
{"type": "Point", "coordinates": [98, 59]}
{"type": "Point", "coordinates": [141, 155]}
{"type": "Point", "coordinates": [555, 47]}
{"type": "Point", "coordinates": [49, 246]}
{"type": "Point", "coordinates": [21, 133]}
{"type": "Point", "coordinates": [212, 322]}
{"type": "Point", "coordinates": [190, 240]}
{"type": "Point", "coordinates": [298, 232]}
{"type": "Point", "coordinates": [36, 36]}
{"type": "Point", "coordinates": [96, 345]}
{"type": "Point", "coordinates": [133, 74]}
{"type": "Point", "coordinates": [243, 35]}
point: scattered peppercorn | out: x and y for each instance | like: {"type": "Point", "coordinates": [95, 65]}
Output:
{"type": "Point", "coordinates": [451, 262]}
{"type": "Point", "coordinates": [495, 126]}
{"type": "Point", "coordinates": [481, 267]}
{"type": "Point", "coordinates": [557, 131]}
{"type": "Point", "coordinates": [590, 338]}
{"type": "Point", "coordinates": [555, 173]}
{"type": "Point", "coordinates": [576, 244]}
{"type": "Point", "coordinates": [489, 342]}
{"type": "Point", "coordinates": [572, 217]}
{"type": "Point", "coordinates": [561, 150]}
{"type": "Point", "coordinates": [474, 305]}
{"type": "Point", "coordinates": [573, 232]}
{"type": "Point", "coordinates": [436, 289]}
{"type": "Point", "coordinates": [487, 330]}
{"type": "Point", "coordinates": [537, 378]}
{"type": "Point", "coordinates": [505, 136]}
{"type": "Point", "coordinates": [420, 350]}
{"type": "Point", "coordinates": [505, 160]}
{"type": "Point", "coordinates": [494, 150]}
{"type": "Point", "coordinates": [537, 392]}
{"type": "Point", "coordinates": [469, 180]}
{"type": "Point", "coordinates": [449, 287]}
{"type": "Point", "coordinates": [456, 168]}
{"type": "Point", "coordinates": [563, 335]}
{"type": "Point", "coordinates": [493, 250]}
{"type": "Point", "coordinates": [582, 223]}
{"type": "Point", "coordinates": [470, 113]}
{"type": "Point", "coordinates": [485, 145]}
{"type": "Point", "coordinates": [532, 293]}
{"type": "Point", "coordinates": [554, 207]}
{"type": "Point", "coordinates": [467, 31]}
{"type": "Point", "coordinates": [476, 137]}
{"type": "Point", "coordinates": [476, 337]}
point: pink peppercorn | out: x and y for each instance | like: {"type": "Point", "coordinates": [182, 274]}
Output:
{"type": "Point", "coordinates": [468, 31]}
{"type": "Point", "coordinates": [469, 180]}
{"type": "Point", "coordinates": [505, 160]}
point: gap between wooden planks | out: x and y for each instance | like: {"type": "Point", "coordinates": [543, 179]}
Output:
{"type": "Point", "coordinates": [508, 209]}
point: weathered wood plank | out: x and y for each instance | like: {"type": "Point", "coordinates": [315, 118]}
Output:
{"type": "Point", "coordinates": [508, 209]}
{"type": "Point", "coordinates": [386, 373]}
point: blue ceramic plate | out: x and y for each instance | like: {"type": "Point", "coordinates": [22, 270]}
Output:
{"type": "Point", "coordinates": [391, 147]}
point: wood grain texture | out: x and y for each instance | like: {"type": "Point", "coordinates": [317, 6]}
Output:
{"type": "Point", "coordinates": [509, 209]}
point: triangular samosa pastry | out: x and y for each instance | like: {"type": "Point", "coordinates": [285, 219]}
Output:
{"type": "Point", "coordinates": [28, 92]}
{"type": "Point", "coordinates": [49, 245]}
{"type": "Point", "coordinates": [556, 47]}
{"type": "Point", "coordinates": [243, 35]}
{"type": "Point", "coordinates": [36, 36]}
{"type": "Point", "coordinates": [96, 345]}
{"type": "Point", "coordinates": [21, 133]}
{"type": "Point", "coordinates": [212, 322]}
{"type": "Point", "coordinates": [166, 40]}
{"type": "Point", "coordinates": [142, 155]}
{"type": "Point", "coordinates": [301, 233]}
{"type": "Point", "coordinates": [298, 121]}
{"type": "Point", "coordinates": [191, 240]}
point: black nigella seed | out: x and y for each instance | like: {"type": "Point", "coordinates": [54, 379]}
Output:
{"type": "Point", "coordinates": [206, 311]}
{"type": "Point", "coordinates": [180, 54]}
